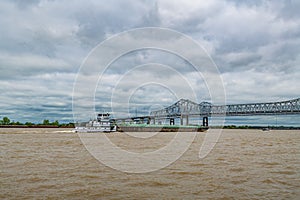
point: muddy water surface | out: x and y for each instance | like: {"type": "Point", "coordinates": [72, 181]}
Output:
{"type": "Point", "coordinates": [245, 164]}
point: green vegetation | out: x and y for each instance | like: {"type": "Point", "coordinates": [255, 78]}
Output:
{"type": "Point", "coordinates": [236, 127]}
{"type": "Point", "coordinates": [46, 122]}
{"type": "Point", "coordinates": [6, 122]}
{"type": "Point", "coordinates": [29, 124]}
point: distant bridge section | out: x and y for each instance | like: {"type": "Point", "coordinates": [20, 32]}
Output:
{"type": "Point", "coordinates": [186, 107]}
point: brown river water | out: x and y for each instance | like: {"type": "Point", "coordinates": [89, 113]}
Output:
{"type": "Point", "coordinates": [244, 164]}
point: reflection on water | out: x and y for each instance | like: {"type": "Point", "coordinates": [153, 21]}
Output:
{"type": "Point", "coordinates": [245, 164]}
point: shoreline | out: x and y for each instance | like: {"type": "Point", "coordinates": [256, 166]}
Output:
{"type": "Point", "coordinates": [211, 127]}
{"type": "Point", "coordinates": [34, 126]}
{"type": "Point", "coordinates": [258, 127]}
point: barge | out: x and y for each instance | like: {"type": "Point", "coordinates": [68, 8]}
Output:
{"type": "Point", "coordinates": [159, 128]}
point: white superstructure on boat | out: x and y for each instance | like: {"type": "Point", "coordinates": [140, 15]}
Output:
{"type": "Point", "coordinates": [102, 124]}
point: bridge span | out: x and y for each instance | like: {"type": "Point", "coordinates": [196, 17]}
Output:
{"type": "Point", "coordinates": [185, 108]}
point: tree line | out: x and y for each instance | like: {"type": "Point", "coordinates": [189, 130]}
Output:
{"type": "Point", "coordinates": [7, 122]}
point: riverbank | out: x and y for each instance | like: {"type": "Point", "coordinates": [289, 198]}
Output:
{"type": "Point", "coordinates": [37, 126]}
{"type": "Point", "coordinates": [212, 127]}
{"type": "Point", "coordinates": [259, 127]}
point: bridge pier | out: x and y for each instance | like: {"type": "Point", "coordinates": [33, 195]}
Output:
{"type": "Point", "coordinates": [205, 121]}
{"type": "Point", "coordinates": [186, 120]}
{"type": "Point", "coordinates": [172, 121]}
{"type": "Point", "coordinates": [154, 120]}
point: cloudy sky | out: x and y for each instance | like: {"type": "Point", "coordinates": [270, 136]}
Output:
{"type": "Point", "coordinates": [254, 43]}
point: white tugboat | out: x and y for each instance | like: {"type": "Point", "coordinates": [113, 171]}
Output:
{"type": "Point", "coordinates": [102, 124]}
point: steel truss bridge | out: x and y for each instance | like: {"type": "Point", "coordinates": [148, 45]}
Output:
{"type": "Point", "coordinates": [185, 108]}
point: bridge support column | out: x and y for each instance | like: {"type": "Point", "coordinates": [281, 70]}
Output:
{"type": "Point", "coordinates": [181, 120]}
{"type": "Point", "coordinates": [172, 121]}
{"type": "Point", "coordinates": [187, 120]}
{"type": "Point", "coordinates": [205, 121]}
